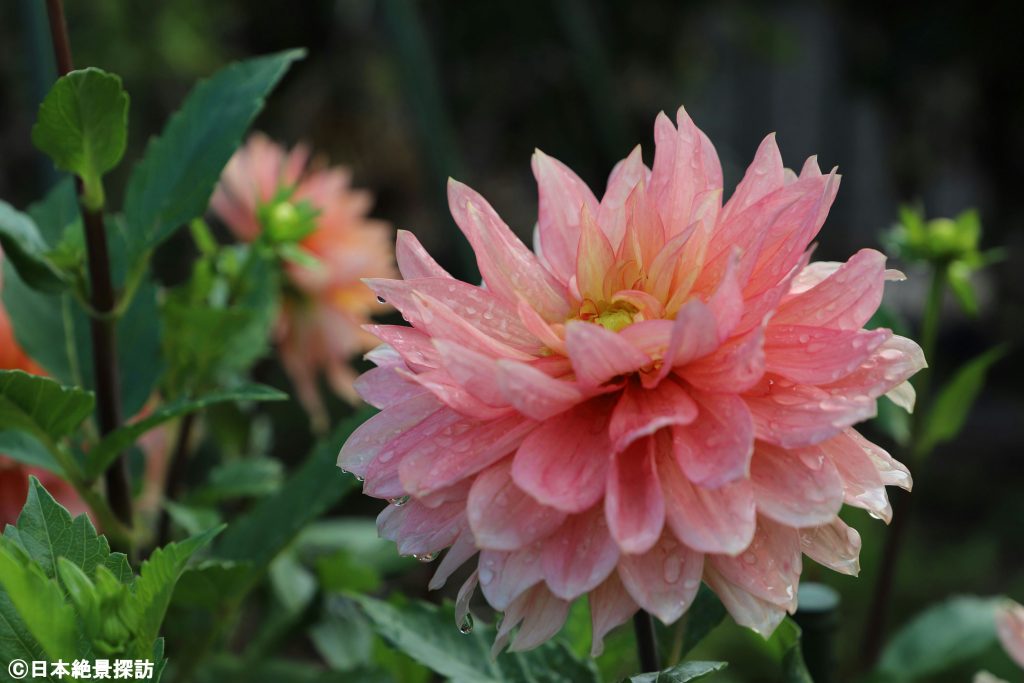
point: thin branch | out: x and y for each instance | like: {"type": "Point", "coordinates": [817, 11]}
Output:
{"type": "Point", "coordinates": [646, 643]}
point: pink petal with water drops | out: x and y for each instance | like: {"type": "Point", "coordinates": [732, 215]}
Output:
{"type": "Point", "coordinates": [737, 364]}
{"type": "Point", "coordinates": [611, 215]}
{"type": "Point", "coordinates": [383, 387]}
{"type": "Point", "coordinates": [419, 530]}
{"type": "Point", "coordinates": [716, 448]}
{"type": "Point", "coordinates": [367, 441]}
{"type": "Point", "coordinates": [579, 555]}
{"type": "Point", "coordinates": [769, 568]}
{"type": "Point", "coordinates": [504, 576]}
{"type": "Point", "coordinates": [796, 487]}
{"type": "Point", "coordinates": [413, 260]}
{"type": "Point", "coordinates": [845, 299]}
{"type": "Point", "coordinates": [892, 472]}
{"type": "Point", "coordinates": [817, 355]}
{"type": "Point", "coordinates": [641, 412]}
{"type": "Point", "coordinates": [599, 355]}
{"type": "Point", "coordinates": [746, 609]}
{"type": "Point", "coordinates": [634, 504]}
{"type": "Point", "coordinates": [562, 196]}
{"type": "Point", "coordinates": [763, 176]}
{"type": "Point", "coordinates": [718, 520]}
{"type": "Point", "coordinates": [862, 483]}
{"type": "Point", "coordinates": [834, 545]}
{"type": "Point", "coordinates": [461, 551]}
{"type": "Point", "coordinates": [564, 462]}
{"type": "Point", "coordinates": [665, 579]}
{"type": "Point", "coordinates": [539, 615]}
{"type": "Point", "coordinates": [610, 606]}
{"type": "Point", "coordinates": [495, 499]}
{"type": "Point", "coordinates": [533, 392]}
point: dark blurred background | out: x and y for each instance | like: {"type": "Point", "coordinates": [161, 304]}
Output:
{"type": "Point", "coordinates": [914, 102]}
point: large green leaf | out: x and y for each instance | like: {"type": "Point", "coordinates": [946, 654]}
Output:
{"type": "Point", "coordinates": [41, 406]}
{"type": "Point", "coordinates": [943, 636]}
{"type": "Point", "coordinates": [28, 450]}
{"type": "Point", "coordinates": [157, 579]}
{"type": "Point", "coordinates": [27, 249]}
{"type": "Point", "coordinates": [46, 531]}
{"type": "Point", "coordinates": [785, 644]}
{"type": "Point", "coordinates": [174, 181]}
{"type": "Point", "coordinates": [953, 404]}
{"type": "Point", "coordinates": [260, 534]}
{"type": "Point", "coordinates": [107, 450]}
{"type": "Point", "coordinates": [83, 127]}
{"type": "Point", "coordinates": [428, 634]}
{"type": "Point", "coordinates": [57, 211]}
{"type": "Point", "coordinates": [687, 671]}
{"type": "Point", "coordinates": [39, 601]}
{"type": "Point", "coordinates": [704, 615]}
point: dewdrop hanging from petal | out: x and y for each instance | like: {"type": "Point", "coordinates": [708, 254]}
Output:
{"type": "Point", "coordinates": [267, 189]}
{"type": "Point", "coordinates": [663, 393]}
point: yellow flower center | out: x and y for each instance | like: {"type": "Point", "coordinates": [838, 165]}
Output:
{"type": "Point", "coordinates": [611, 316]}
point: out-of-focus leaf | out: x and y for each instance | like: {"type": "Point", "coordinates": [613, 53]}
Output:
{"type": "Point", "coordinates": [785, 646]}
{"type": "Point", "coordinates": [107, 450]}
{"type": "Point", "coordinates": [41, 406]}
{"type": "Point", "coordinates": [428, 634]}
{"type": "Point", "coordinates": [342, 571]}
{"type": "Point", "coordinates": [174, 181]}
{"type": "Point", "coordinates": [26, 449]}
{"type": "Point", "coordinates": [247, 478]}
{"type": "Point", "coordinates": [157, 579]}
{"type": "Point", "coordinates": [83, 127]}
{"type": "Point", "coordinates": [194, 519]}
{"type": "Point", "coordinates": [959, 277]}
{"type": "Point", "coordinates": [343, 637]}
{"type": "Point", "coordinates": [948, 634]}
{"type": "Point", "coordinates": [704, 615]}
{"type": "Point", "coordinates": [293, 585]}
{"type": "Point", "coordinates": [260, 534]}
{"type": "Point", "coordinates": [949, 412]}
{"type": "Point", "coordinates": [893, 421]}
{"type": "Point", "coordinates": [57, 211]}
{"type": "Point", "coordinates": [26, 249]}
{"type": "Point", "coordinates": [210, 584]}
{"type": "Point", "coordinates": [356, 536]}
{"type": "Point", "coordinates": [687, 671]}
{"type": "Point", "coordinates": [39, 601]}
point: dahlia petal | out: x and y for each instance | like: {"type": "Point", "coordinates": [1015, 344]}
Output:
{"type": "Point", "coordinates": [464, 597]}
{"type": "Point", "coordinates": [564, 462]}
{"type": "Point", "coordinates": [508, 267]}
{"type": "Point", "coordinates": [746, 609]}
{"type": "Point", "coordinates": [611, 215]}
{"type": "Point", "coordinates": [599, 355]}
{"type": "Point", "coordinates": [834, 545]}
{"type": "Point", "coordinates": [467, 448]}
{"type": "Point", "coordinates": [893, 363]}
{"type": "Point", "coordinates": [764, 176]}
{"type": "Point", "coordinates": [718, 520]}
{"type": "Point", "coordinates": [761, 306]}
{"type": "Point", "coordinates": [474, 371]}
{"type": "Point", "coordinates": [502, 515]}
{"type": "Point", "coordinates": [793, 415]}
{"type": "Point", "coordinates": [610, 606]}
{"type": "Point", "coordinates": [504, 576]}
{"type": "Point", "coordinates": [641, 412]}
{"type": "Point", "coordinates": [845, 299]}
{"type": "Point", "coordinates": [694, 335]}
{"type": "Point", "coordinates": [414, 346]}
{"type": "Point", "coordinates": [862, 483]}
{"type": "Point", "coordinates": [664, 267]}
{"type": "Point", "coordinates": [903, 395]}
{"type": "Point", "coordinates": [413, 260]}
{"type": "Point", "coordinates": [540, 328]}
{"type": "Point", "coordinates": [594, 259]}
{"type": "Point", "coordinates": [542, 617]}
{"type": "Point", "coordinates": [533, 392]}
{"type": "Point", "coordinates": [665, 579]}
{"type": "Point", "coordinates": [562, 196]}
{"type": "Point", "coordinates": [645, 234]}
{"type": "Point", "coordinates": [685, 166]}
{"type": "Point", "coordinates": [461, 551]}
{"type": "Point", "coordinates": [419, 530]}
{"type": "Point", "coordinates": [818, 355]}
{"type": "Point", "coordinates": [892, 472]}
{"type": "Point", "coordinates": [383, 356]}
{"type": "Point", "coordinates": [374, 434]}
{"type": "Point", "coordinates": [579, 555]}
{"type": "Point", "coordinates": [382, 474]}
{"type": "Point", "coordinates": [382, 387]}
{"type": "Point", "coordinates": [796, 487]}
{"type": "Point", "coordinates": [478, 307]}
{"type": "Point", "coordinates": [769, 568]}
{"type": "Point", "coordinates": [716, 448]}
{"type": "Point", "coordinates": [441, 322]}
{"type": "Point", "coordinates": [634, 504]}
{"type": "Point", "coordinates": [738, 364]}
{"type": "Point", "coordinates": [727, 302]}
{"type": "Point", "coordinates": [1010, 627]}
{"type": "Point", "coordinates": [454, 395]}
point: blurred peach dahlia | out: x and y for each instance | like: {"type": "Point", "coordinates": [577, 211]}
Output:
{"type": "Point", "coordinates": [265, 188]}
{"type": "Point", "coordinates": [662, 394]}
{"type": "Point", "coordinates": [1010, 626]}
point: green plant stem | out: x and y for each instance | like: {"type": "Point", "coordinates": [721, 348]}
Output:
{"type": "Point", "coordinates": [646, 643]}
{"type": "Point", "coordinates": [103, 301]}
{"type": "Point", "coordinates": [878, 613]}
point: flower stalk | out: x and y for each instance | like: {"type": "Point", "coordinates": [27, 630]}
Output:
{"type": "Point", "coordinates": [646, 643]}
{"type": "Point", "coordinates": [103, 301]}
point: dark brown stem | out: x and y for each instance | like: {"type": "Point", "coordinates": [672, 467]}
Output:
{"type": "Point", "coordinates": [646, 643]}
{"type": "Point", "coordinates": [103, 301]}
{"type": "Point", "coordinates": [176, 474]}
{"type": "Point", "coordinates": [878, 613]}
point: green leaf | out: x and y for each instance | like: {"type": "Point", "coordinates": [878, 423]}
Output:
{"type": "Point", "coordinates": [106, 451]}
{"type": "Point", "coordinates": [26, 449]}
{"type": "Point", "coordinates": [943, 636]}
{"type": "Point", "coordinates": [157, 579]}
{"type": "Point", "coordinates": [261, 533]}
{"type": "Point", "coordinates": [344, 637]}
{"type": "Point", "coordinates": [174, 181]}
{"type": "Point", "coordinates": [41, 406]}
{"type": "Point", "coordinates": [210, 584]}
{"type": "Point", "coordinates": [785, 645]}
{"type": "Point", "coordinates": [246, 478]}
{"type": "Point", "coordinates": [704, 615]}
{"type": "Point", "coordinates": [57, 211]}
{"type": "Point", "coordinates": [293, 585]}
{"type": "Point", "coordinates": [949, 412]}
{"type": "Point", "coordinates": [428, 634]}
{"type": "Point", "coordinates": [39, 602]}
{"type": "Point", "coordinates": [46, 531]}
{"type": "Point", "coordinates": [687, 671]}
{"type": "Point", "coordinates": [26, 249]}
{"type": "Point", "coordinates": [83, 127]}
{"type": "Point", "coordinates": [357, 537]}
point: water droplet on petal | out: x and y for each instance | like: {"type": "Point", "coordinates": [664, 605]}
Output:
{"type": "Point", "coordinates": [426, 557]}
{"type": "Point", "coordinates": [380, 299]}
{"type": "Point", "coordinates": [400, 501]}
{"type": "Point", "coordinates": [466, 627]}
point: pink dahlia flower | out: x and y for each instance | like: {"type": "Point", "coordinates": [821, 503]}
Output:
{"type": "Point", "coordinates": [319, 328]}
{"type": "Point", "coordinates": [1010, 625]}
{"type": "Point", "coordinates": [663, 393]}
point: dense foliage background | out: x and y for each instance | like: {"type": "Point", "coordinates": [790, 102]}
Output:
{"type": "Point", "coordinates": [913, 105]}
